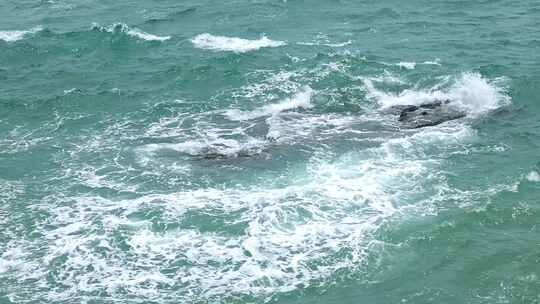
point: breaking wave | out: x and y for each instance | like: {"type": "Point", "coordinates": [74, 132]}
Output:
{"type": "Point", "coordinates": [301, 99]}
{"type": "Point", "coordinates": [232, 44]}
{"type": "Point", "coordinates": [533, 176]}
{"type": "Point", "coordinates": [470, 92]}
{"type": "Point", "coordinates": [11, 36]}
{"type": "Point", "coordinates": [133, 32]}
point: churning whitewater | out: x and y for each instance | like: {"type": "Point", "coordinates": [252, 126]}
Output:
{"type": "Point", "coordinates": [243, 152]}
{"type": "Point", "coordinates": [334, 205]}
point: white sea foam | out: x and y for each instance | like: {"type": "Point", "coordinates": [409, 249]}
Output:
{"type": "Point", "coordinates": [470, 92]}
{"type": "Point", "coordinates": [216, 147]}
{"type": "Point", "coordinates": [434, 62]}
{"type": "Point", "coordinates": [11, 36]}
{"type": "Point", "coordinates": [287, 127]}
{"type": "Point", "coordinates": [322, 39]}
{"type": "Point", "coordinates": [145, 36]}
{"type": "Point", "coordinates": [93, 245]}
{"type": "Point", "coordinates": [272, 238]}
{"type": "Point", "coordinates": [336, 45]}
{"type": "Point", "coordinates": [69, 91]}
{"type": "Point", "coordinates": [387, 79]}
{"type": "Point", "coordinates": [301, 99]}
{"type": "Point", "coordinates": [97, 244]}
{"type": "Point", "coordinates": [18, 139]}
{"type": "Point", "coordinates": [267, 89]}
{"type": "Point", "coordinates": [133, 32]}
{"type": "Point", "coordinates": [89, 177]}
{"type": "Point", "coordinates": [232, 44]}
{"type": "Point", "coordinates": [287, 229]}
{"type": "Point", "coordinates": [533, 176]}
{"type": "Point", "coordinates": [10, 259]}
{"type": "Point", "coordinates": [407, 65]}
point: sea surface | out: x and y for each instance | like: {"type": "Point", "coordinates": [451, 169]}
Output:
{"type": "Point", "coordinates": [239, 152]}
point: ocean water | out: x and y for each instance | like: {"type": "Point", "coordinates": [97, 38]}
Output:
{"type": "Point", "coordinates": [238, 152]}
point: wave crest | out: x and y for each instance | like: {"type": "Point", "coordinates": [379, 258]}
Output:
{"type": "Point", "coordinates": [133, 32]}
{"type": "Point", "coordinates": [470, 92]}
{"type": "Point", "coordinates": [301, 99]}
{"type": "Point", "coordinates": [12, 36]}
{"type": "Point", "coordinates": [232, 44]}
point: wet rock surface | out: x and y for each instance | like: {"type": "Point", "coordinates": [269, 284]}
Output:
{"type": "Point", "coordinates": [425, 115]}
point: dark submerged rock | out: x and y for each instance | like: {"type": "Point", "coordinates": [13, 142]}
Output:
{"type": "Point", "coordinates": [425, 115]}
{"type": "Point", "coordinates": [219, 151]}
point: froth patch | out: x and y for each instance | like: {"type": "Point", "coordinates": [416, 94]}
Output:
{"type": "Point", "coordinates": [11, 36]}
{"type": "Point", "coordinates": [533, 176]}
{"type": "Point", "coordinates": [232, 44]}
{"type": "Point", "coordinates": [407, 65]}
{"type": "Point", "coordinates": [133, 32]}
{"type": "Point", "coordinates": [155, 246]}
{"type": "Point", "coordinates": [432, 62]}
{"type": "Point", "coordinates": [335, 45]}
{"type": "Point", "coordinates": [302, 99]}
{"type": "Point", "coordinates": [211, 149]}
{"type": "Point", "coordinates": [293, 236]}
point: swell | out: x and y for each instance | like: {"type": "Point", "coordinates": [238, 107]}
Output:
{"type": "Point", "coordinates": [115, 29]}
{"type": "Point", "coordinates": [171, 17]}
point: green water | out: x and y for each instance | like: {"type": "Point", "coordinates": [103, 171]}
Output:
{"type": "Point", "coordinates": [238, 152]}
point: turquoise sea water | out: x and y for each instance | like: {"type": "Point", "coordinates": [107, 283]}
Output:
{"type": "Point", "coordinates": [238, 152]}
